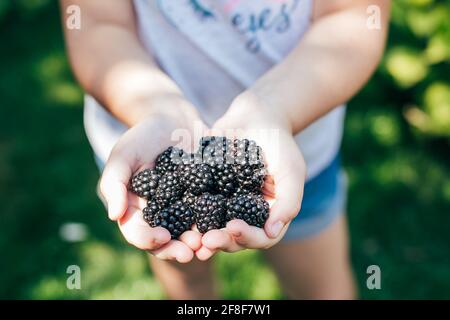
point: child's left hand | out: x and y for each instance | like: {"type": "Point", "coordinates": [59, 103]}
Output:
{"type": "Point", "coordinates": [283, 186]}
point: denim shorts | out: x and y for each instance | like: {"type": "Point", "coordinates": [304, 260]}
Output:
{"type": "Point", "coordinates": [324, 199]}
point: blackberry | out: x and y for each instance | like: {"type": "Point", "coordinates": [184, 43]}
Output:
{"type": "Point", "coordinates": [169, 189]}
{"type": "Point", "coordinates": [218, 153]}
{"type": "Point", "coordinates": [249, 165]}
{"type": "Point", "coordinates": [150, 212]}
{"type": "Point", "coordinates": [189, 199]}
{"type": "Point", "coordinates": [240, 191]}
{"type": "Point", "coordinates": [225, 178]}
{"type": "Point", "coordinates": [210, 211]}
{"type": "Point", "coordinates": [251, 208]}
{"type": "Point", "coordinates": [250, 177]}
{"type": "Point", "coordinates": [169, 160]}
{"type": "Point", "coordinates": [247, 151]}
{"type": "Point", "coordinates": [216, 150]}
{"type": "Point", "coordinates": [196, 178]}
{"type": "Point", "coordinates": [144, 183]}
{"type": "Point", "coordinates": [177, 218]}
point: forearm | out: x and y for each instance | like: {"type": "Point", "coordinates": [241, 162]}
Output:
{"type": "Point", "coordinates": [112, 65]}
{"type": "Point", "coordinates": [331, 63]}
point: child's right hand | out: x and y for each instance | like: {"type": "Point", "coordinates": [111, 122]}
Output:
{"type": "Point", "coordinates": [136, 150]}
{"type": "Point", "coordinates": [286, 169]}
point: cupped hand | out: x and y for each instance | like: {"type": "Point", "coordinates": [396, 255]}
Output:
{"type": "Point", "coordinates": [283, 187]}
{"type": "Point", "coordinates": [136, 150]}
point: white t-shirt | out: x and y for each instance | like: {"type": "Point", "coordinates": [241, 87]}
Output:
{"type": "Point", "coordinates": [214, 50]}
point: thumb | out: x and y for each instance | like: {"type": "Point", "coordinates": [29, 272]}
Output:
{"type": "Point", "coordinates": [113, 186]}
{"type": "Point", "coordinates": [288, 197]}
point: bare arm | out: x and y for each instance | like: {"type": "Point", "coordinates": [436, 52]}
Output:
{"type": "Point", "coordinates": [112, 65]}
{"type": "Point", "coordinates": [332, 62]}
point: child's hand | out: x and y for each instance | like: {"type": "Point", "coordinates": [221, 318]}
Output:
{"type": "Point", "coordinates": [283, 187]}
{"type": "Point", "coordinates": [136, 150]}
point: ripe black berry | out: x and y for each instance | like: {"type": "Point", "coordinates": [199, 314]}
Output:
{"type": "Point", "coordinates": [169, 160]}
{"type": "Point", "coordinates": [177, 218]}
{"type": "Point", "coordinates": [144, 183]}
{"type": "Point", "coordinates": [216, 150]}
{"type": "Point", "coordinates": [150, 212]}
{"type": "Point", "coordinates": [210, 211]}
{"type": "Point", "coordinates": [247, 151]}
{"type": "Point", "coordinates": [169, 189]}
{"type": "Point", "coordinates": [251, 208]}
{"type": "Point", "coordinates": [189, 199]}
{"type": "Point", "coordinates": [196, 178]}
{"type": "Point", "coordinates": [225, 178]}
{"type": "Point", "coordinates": [250, 176]}
{"type": "Point", "coordinates": [249, 165]}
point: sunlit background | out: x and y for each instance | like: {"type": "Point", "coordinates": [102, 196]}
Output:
{"type": "Point", "coordinates": [396, 153]}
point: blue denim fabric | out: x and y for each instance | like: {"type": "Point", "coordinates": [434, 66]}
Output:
{"type": "Point", "coordinates": [324, 200]}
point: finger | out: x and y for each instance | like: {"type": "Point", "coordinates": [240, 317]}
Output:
{"type": "Point", "coordinates": [289, 193]}
{"type": "Point", "coordinates": [248, 236]}
{"type": "Point", "coordinates": [220, 240]}
{"type": "Point", "coordinates": [192, 239]}
{"type": "Point", "coordinates": [138, 233]}
{"type": "Point", "coordinates": [113, 186]}
{"type": "Point", "coordinates": [204, 253]}
{"type": "Point", "coordinates": [269, 187]}
{"type": "Point", "coordinates": [174, 250]}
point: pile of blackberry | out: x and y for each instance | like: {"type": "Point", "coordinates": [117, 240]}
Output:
{"type": "Point", "coordinates": [221, 181]}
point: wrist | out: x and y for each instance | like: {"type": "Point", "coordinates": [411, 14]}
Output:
{"type": "Point", "coordinates": [164, 130]}
{"type": "Point", "coordinates": [172, 109]}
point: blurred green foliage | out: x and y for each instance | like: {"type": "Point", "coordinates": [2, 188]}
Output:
{"type": "Point", "coordinates": [395, 152]}
{"type": "Point", "coordinates": [417, 60]}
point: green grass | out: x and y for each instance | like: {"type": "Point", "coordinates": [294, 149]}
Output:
{"type": "Point", "coordinates": [399, 196]}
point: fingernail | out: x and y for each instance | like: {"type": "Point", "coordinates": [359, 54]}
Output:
{"type": "Point", "coordinates": [112, 210]}
{"type": "Point", "coordinates": [275, 229]}
{"type": "Point", "coordinates": [161, 240]}
{"type": "Point", "coordinates": [108, 208]}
